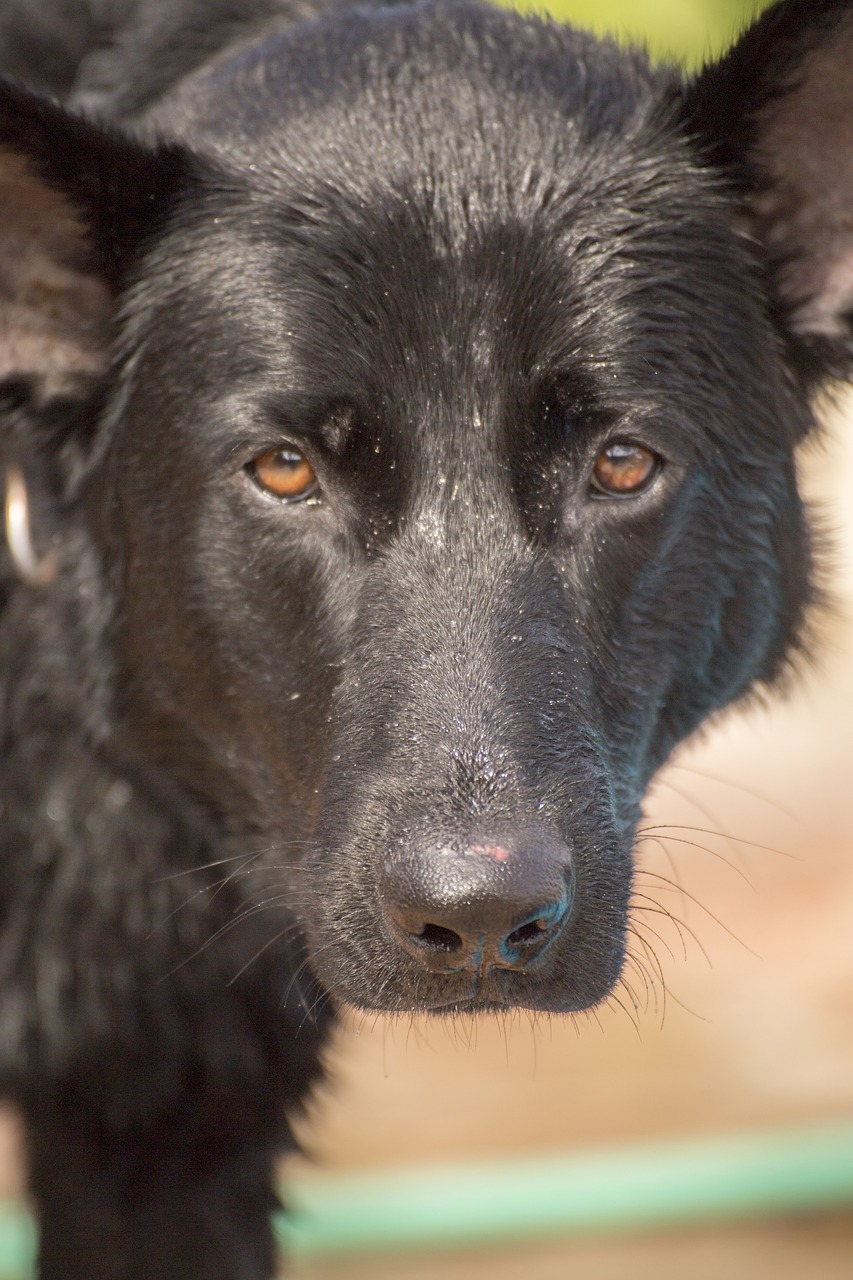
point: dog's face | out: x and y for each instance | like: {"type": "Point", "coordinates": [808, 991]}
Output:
{"type": "Point", "coordinates": [445, 479]}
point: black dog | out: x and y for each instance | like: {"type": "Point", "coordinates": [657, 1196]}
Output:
{"type": "Point", "coordinates": [398, 411]}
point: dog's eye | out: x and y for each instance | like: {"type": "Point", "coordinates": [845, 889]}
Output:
{"type": "Point", "coordinates": [285, 473]}
{"type": "Point", "coordinates": [623, 470]}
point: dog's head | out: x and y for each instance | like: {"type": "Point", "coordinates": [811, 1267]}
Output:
{"type": "Point", "coordinates": [442, 374]}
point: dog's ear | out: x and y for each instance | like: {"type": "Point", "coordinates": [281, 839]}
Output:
{"type": "Point", "coordinates": [76, 204]}
{"type": "Point", "coordinates": [777, 114]}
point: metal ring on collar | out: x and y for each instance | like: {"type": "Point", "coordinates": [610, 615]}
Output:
{"type": "Point", "coordinates": [34, 570]}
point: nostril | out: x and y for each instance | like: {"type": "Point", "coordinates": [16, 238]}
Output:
{"type": "Point", "coordinates": [531, 932]}
{"type": "Point", "coordinates": [437, 938]}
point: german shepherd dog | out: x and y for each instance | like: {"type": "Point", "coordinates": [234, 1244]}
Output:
{"type": "Point", "coordinates": [398, 412]}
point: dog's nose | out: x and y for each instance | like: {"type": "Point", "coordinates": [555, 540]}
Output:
{"type": "Point", "coordinates": [488, 904]}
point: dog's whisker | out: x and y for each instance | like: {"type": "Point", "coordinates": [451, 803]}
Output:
{"type": "Point", "coordinates": [298, 972]}
{"type": "Point", "coordinates": [205, 866]}
{"type": "Point", "coordinates": [753, 792]}
{"type": "Point", "coordinates": [684, 893]}
{"type": "Point", "coordinates": [700, 808]}
{"type": "Point", "coordinates": [651, 1000]}
{"type": "Point", "coordinates": [658, 842]}
{"type": "Point", "coordinates": [649, 955]}
{"type": "Point", "coordinates": [695, 844]}
{"type": "Point", "coordinates": [728, 837]}
{"type": "Point", "coordinates": [682, 928]}
{"type": "Point", "coordinates": [276, 937]}
{"type": "Point", "coordinates": [636, 924]}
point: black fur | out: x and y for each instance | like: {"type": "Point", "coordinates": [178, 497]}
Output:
{"type": "Point", "coordinates": [449, 255]}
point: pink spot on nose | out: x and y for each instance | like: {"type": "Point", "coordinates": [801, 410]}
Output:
{"type": "Point", "coordinates": [495, 851]}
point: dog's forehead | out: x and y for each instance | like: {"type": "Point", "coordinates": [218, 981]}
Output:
{"type": "Point", "coordinates": [366, 79]}
{"type": "Point", "coordinates": [406, 206]}
{"type": "Point", "coordinates": [385, 156]}
{"type": "Point", "coordinates": [441, 279]}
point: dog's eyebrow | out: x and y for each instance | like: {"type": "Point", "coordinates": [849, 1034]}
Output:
{"type": "Point", "coordinates": [326, 418]}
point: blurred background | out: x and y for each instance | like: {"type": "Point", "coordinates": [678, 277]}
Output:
{"type": "Point", "coordinates": [749, 1027]}
{"type": "Point", "coordinates": [687, 31]}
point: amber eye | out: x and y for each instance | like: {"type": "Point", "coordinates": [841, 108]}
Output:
{"type": "Point", "coordinates": [285, 473]}
{"type": "Point", "coordinates": [622, 470]}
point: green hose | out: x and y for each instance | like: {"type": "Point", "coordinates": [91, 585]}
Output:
{"type": "Point", "coordinates": [605, 1191]}
{"type": "Point", "coordinates": [698, 1181]}
{"type": "Point", "coordinates": [17, 1243]}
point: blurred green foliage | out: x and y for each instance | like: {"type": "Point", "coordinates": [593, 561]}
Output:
{"type": "Point", "coordinates": [686, 30]}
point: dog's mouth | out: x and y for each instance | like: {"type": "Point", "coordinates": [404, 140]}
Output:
{"type": "Point", "coordinates": [479, 997]}
{"type": "Point", "coordinates": [467, 1007]}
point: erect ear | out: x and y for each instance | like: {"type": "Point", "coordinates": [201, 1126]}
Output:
{"type": "Point", "coordinates": [76, 205]}
{"type": "Point", "coordinates": [777, 113]}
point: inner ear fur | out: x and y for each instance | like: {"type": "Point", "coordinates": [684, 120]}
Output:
{"type": "Point", "coordinates": [54, 309]}
{"type": "Point", "coordinates": [77, 203]}
{"type": "Point", "coordinates": [777, 114]}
